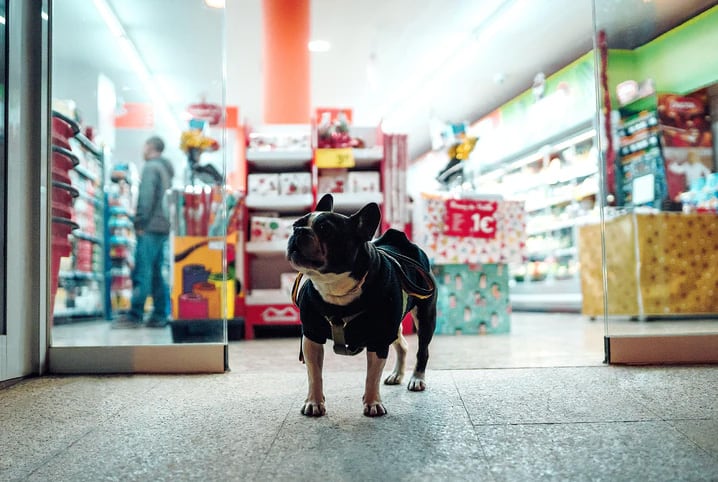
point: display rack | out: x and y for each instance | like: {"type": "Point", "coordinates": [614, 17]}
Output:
{"type": "Point", "coordinates": [640, 165]}
{"type": "Point", "coordinates": [559, 185]}
{"type": "Point", "coordinates": [121, 237]}
{"type": "Point", "coordinates": [82, 291]}
{"type": "Point", "coordinates": [283, 183]}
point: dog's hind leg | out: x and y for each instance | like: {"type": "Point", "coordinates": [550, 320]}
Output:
{"type": "Point", "coordinates": [400, 347]}
{"type": "Point", "coordinates": [425, 320]}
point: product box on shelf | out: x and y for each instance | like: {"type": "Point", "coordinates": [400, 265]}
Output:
{"type": "Point", "coordinates": [270, 228]}
{"type": "Point", "coordinates": [364, 181]}
{"type": "Point", "coordinates": [333, 181]}
{"type": "Point", "coordinates": [472, 299]}
{"type": "Point", "coordinates": [292, 183]}
{"type": "Point", "coordinates": [264, 184]}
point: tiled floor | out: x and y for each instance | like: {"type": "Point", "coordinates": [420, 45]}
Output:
{"type": "Point", "coordinates": [522, 407]}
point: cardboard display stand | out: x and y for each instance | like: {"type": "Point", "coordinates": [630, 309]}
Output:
{"type": "Point", "coordinates": [470, 242]}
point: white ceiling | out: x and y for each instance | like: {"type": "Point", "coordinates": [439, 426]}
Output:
{"type": "Point", "coordinates": [398, 60]}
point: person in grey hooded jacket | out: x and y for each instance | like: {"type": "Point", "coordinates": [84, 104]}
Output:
{"type": "Point", "coordinates": [152, 228]}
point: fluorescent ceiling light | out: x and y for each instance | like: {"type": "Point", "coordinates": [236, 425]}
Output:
{"type": "Point", "coordinates": [138, 65]}
{"type": "Point", "coordinates": [214, 3]}
{"type": "Point", "coordinates": [319, 46]}
{"type": "Point", "coordinates": [44, 16]}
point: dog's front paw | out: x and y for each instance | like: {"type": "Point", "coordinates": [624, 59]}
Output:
{"type": "Point", "coordinates": [417, 383]}
{"type": "Point", "coordinates": [373, 408]}
{"type": "Point", "coordinates": [312, 408]}
{"type": "Point", "coordinates": [394, 379]}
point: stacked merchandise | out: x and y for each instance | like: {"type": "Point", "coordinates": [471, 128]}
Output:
{"type": "Point", "coordinates": [686, 125]}
{"type": "Point", "coordinates": [80, 291]}
{"type": "Point", "coordinates": [122, 240]}
{"type": "Point", "coordinates": [640, 167]}
{"type": "Point", "coordinates": [665, 151]}
{"type": "Point", "coordinates": [62, 197]}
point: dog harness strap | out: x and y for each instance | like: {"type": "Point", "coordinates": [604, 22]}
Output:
{"type": "Point", "coordinates": [295, 288]}
{"type": "Point", "coordinates": [338, 325]}
{"type": "Point", "coordinates": [407, 285]}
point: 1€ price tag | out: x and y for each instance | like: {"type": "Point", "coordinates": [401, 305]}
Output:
{"type": "Point", "coordinates": [470, 218]}
{"type": "Point", "coordinates": [332, 158]}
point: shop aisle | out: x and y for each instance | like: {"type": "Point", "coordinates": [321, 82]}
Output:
{"type": "Point", "coordinates": [515, 424]}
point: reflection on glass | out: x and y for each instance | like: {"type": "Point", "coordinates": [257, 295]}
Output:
{"type": "Point", "coordinates": [138, 174]}
{"type": "Point", "coordinates": [659, 86]}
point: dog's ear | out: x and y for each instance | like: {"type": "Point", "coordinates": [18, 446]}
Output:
{"type": "Point", "coordinates": [366, 220]}
{"type": "Point", "coordinates": [326, 203]}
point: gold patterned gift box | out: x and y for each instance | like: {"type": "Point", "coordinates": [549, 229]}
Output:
{"type": "Point", "coordinates": [656, 264]}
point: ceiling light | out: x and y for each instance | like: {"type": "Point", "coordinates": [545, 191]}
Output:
{"type": "Point", "coordinates": [319, 46]}
{"type": "Point", "coordinates": [134, 58]}
{"type": "Point", "coordinates": [214, 3]}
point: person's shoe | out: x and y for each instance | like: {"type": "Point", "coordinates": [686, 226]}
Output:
{"type": "Point", "coordinates": [126, 322]}
{"type": "Point", "coordinates": [158, 322]}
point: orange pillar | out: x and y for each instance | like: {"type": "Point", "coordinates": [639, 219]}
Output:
{"type": "Point", "coordinates": [286, 61]}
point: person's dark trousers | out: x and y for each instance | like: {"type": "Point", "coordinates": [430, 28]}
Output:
{"type": "Point", "coordinates": [149, 277]}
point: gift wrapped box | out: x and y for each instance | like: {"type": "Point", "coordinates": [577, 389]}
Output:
{"type": "Point", "coordinates": [472, 299]}
{"type": "Point", "coordinates": [364, 181]}
{"type": "Point", "coordinates": [263, 228]}
{"type": "Point", "coordinates": [332, 181]}
{"type": "Point", "coordinates": [291, 183]}
{"type": "Point", "coordinates": [263, 184]}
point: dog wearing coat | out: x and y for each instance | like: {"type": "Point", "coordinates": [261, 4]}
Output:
{"type": "Point", "coordinates": [357, 292]}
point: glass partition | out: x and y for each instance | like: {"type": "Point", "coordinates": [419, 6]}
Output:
{"type": "Point", "coordinates": [141, 240]}
{"type": "Point", "coordinates": [654, 280]}
{"type": "Point", "coordinates": [3, 160]}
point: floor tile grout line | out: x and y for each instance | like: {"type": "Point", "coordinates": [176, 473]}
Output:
{"type": "Point", "coordinates": [710, 453]}
{"type": "Point", "coordinates": [260, 468]}
{"type": "Point", "coordinates": [473, 428]}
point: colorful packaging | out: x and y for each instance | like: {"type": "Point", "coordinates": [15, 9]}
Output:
{"type": "Point", "coordinates": [263, 184]}
{"type": "Point", "coordinates": [291, 183]}
{"type": "Point", "coordinates": [472, 299]}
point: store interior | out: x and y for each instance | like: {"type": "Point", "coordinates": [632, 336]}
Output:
{"type": "Point", "coordinates": [480, 105]}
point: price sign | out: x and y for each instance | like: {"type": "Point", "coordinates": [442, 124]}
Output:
{"type": "Point", "coordinates": [470, 218]}
{"type": "Point", "coordinates": [332, 158]}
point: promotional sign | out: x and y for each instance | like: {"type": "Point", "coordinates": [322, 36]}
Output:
{"type": "Point", "coordinates": [204, 110]}
{"type": "Point", "coordinates": [134, 115]}
{"type": "Point", "coordinates": [470, 218]}
{"type": "Point", "coordinates": [334, 158]}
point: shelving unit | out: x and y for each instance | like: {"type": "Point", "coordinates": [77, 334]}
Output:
{"type": "Point", "coordinates": [640, 164]}
{"type": "Point", "coordinates": [263, 256]}
{"type": "Point", "coordinates": [272, 209]}
{"type": "Point", "coordinates": [82, 289]}
{"type": "Point", "coordinates": [559, 187]}
{"type": "Point", "coordinates": [121, 240]}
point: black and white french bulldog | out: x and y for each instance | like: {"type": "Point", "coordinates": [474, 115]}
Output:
{"type": "Point", "coordinates": [357, 292]}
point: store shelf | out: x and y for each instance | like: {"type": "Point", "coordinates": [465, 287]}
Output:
{"type": "Point", "coordinates": [85, 173]}
{"type": "Point", "coordinates": [80, 275]}
{"type": "Point", "coordinates": [302, 202]}
{"type": "Point", "coordinates": [356, 200]}
{"type": "Point", "coordinates": [559, 225]}
{"type": "Point", "coordinates": [555, 201]}
{"type": "Point", "coordinates": [279, 158]}
{"type": "Point", "coordinates": [368, 157]}
{"type": "Point", "coordinates": [549, 295]}
{"type": "Point", "coordinates": [87, 237]}
{"type": "Point", "coordinates": [266, 247]}
{"type": "Point", "coordinates": [267, 297]}
{"type": "Point", "coordinates": [553, 252]}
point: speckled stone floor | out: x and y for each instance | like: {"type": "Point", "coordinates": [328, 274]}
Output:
{"type": "Point", "coordinates": [542, 417]}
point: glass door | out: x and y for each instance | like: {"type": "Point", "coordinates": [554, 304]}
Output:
{"type": "Point", "coordinates": [141, 238]}
{"type": "Point", "coordinates": [653, 278]}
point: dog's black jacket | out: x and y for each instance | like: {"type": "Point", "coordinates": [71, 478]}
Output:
{"type": "Point", "coordinates": [380, 306]}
